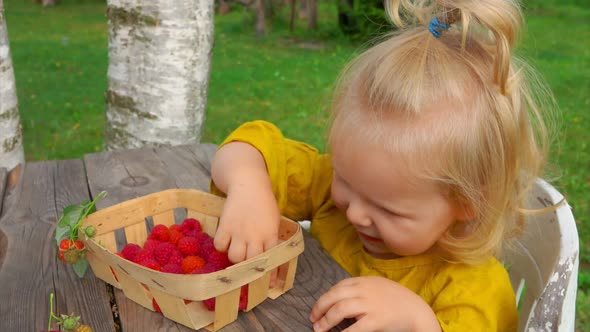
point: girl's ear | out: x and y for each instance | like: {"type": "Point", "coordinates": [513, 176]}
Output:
{"type": "Point", "coordinates": [464, 211]}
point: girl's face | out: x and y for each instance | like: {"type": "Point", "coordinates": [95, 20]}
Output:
{"type": "Point", "coordinates": [395, 214]}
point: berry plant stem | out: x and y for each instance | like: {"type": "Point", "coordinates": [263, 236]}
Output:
{"type": "Point", "coordinates": [52, 316]}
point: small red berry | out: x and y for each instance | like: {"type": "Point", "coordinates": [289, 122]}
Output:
{"type": "Point", "coordinates": [188, 246]}
{"type": "Point", "coordinates": [150, 263]}
{"type": "Point", "coordinates": [219, 260]}
{"type": "Point", "coordinates": [243, 298]}
{"type": "Point", "coordinates": [79, 244]}
{"type": "Point", "coordinates": [191, 263]}
{"type": "Point", "coordinates": [160, 233]}
{"type": "Point", "coordinates": [175, 236]}
{"type": "Point", "coordinates": [210, 304]}
{"type": "Point", "coordinates": [66, 244]}
{"type": "Point", "coordinates": [151, 244]}
{"type": "Point", "coordinates": [190, 227]}
{"type": "Point", "coordinates": [163, 252]}
{"type": "Point", "coordinates": [176, 257]}
{"type": "Point", "coordinates": [156, 306]}
{"type": "Point", "coordinates": [172, 268]}
{"type": "Point", "coordinates": [208, 268]}
{"type": "Point", "coordinates": [130, 251]}
{"type": "Point", "coordinates": [143, 254]}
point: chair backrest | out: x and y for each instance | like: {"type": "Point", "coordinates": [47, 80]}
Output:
{"type": "Point", "coordinates": [543, 264]}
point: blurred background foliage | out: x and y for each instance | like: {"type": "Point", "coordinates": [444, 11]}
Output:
{"type": "Point", "coordinates": [284, 76]}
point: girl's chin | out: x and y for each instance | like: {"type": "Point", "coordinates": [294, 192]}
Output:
{"type": "Point", "coordinates": [379, 253]}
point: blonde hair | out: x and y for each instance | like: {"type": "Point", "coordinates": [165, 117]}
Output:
{"type": "Point", "coordinates": [463, 97]}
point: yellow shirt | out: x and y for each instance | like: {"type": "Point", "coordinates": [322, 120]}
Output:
{"type": "Point", "coordinates": [464, 298]}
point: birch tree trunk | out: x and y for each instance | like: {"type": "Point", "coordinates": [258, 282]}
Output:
{"type": "Point", "coordinates": [312, 14]}
{"type": "Point", "coordinates": [11, 135]}
{"type": "Point", "coordinates": [260, 18]}
{"type": "Point", "coordinates": [158, 74]}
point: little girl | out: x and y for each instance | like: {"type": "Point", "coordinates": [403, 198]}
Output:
{"type": "Point", "coordinates": [435, 139]}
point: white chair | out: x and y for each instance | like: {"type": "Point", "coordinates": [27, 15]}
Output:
{"type": "Point", "coordinates": [543, 265]}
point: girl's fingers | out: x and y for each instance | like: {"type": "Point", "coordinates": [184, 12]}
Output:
{"type": "Point", "coordinates": [221, 241]}
{"type": "Point", "coordinates": [347, 308]}
{"type": "Point", "coordinates": [237, 252]}
{"type": "Point", "coordinates": [340, 292]}
{"type": "Point", "coordinates": [253, 249]}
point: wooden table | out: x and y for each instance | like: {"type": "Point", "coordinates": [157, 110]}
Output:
{"type": "Point", "coordinates": [30, 271]}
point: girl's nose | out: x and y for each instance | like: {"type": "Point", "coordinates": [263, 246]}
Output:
{"type": "Point", "coordinates": [356, 214]}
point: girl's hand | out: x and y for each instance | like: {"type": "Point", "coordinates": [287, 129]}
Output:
{"type": "Point", "coordinates": [377, 304]}
{"type": "Point", "coordinates": [249, 222]}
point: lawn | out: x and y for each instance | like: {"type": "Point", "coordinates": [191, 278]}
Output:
{"type": "Point", "coordinates": [60, 60]}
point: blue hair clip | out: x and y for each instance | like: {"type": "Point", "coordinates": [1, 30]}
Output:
{"type": "Point", "coordinates": [434, 25]}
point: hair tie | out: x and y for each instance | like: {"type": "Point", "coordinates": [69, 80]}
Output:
{"type": "Point", "coordinates": [434, 25]}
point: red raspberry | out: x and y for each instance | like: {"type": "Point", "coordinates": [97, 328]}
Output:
{"type": "Point", "coordinates": [175, 236]}
{"type": "Point", "coordinates": [160, 233]}
{"type": "Point", "coordinates": [219, 260]}
{"type": "Point", "coordinates": [172, 268]}
{"type": "Point", "coordinates": [207, 247]}
{"type": "Point", "coordinates": [113, 272]}
{"type": "Point", "coordinates": [191, 263]}
{"type": "Point", "coordinates": [208, 268]}
{"type": "Point", "coordinates": [190, 227]}
{"type": "Point", "coordinates": [151, 244]}
{"type": "Point", "coordinates": [130, 251]}
{"type": "Point", "coordinates": [210, 304]}
{"type": "Point", "coordinates": [156, 306]}
{"type": "Point", "coordinates": [188, 245]}
{"type": "Point", "coordinates": [144, 254]}
{"type": "Point", "coordinates": [60, 255]}
{"type": "Point", "coordinates": [176, 257]}
{"type": "Point", "coordinates": [163, 252]}
{"type": "Point", "coordinates": [243, 298]}
{"type": "Point", "coordinates": [150, 263]}
{"type": "Point", "coordinates": [67, 244]}
{"type": "Point", "coordinates": [202, 237]}
{"type": "Point", "coordinates": [175, 227]}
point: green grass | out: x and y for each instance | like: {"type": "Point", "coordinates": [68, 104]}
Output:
{"type": "Point", "coordinates": [60, 60]}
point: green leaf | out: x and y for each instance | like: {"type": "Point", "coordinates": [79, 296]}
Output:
{"type": "Point", "coordinates": [60, 233]}
{"type": "Point", "coordinates": [73, 215]}
{"type": "Point", "coordinates": [80, 267]}
{"type": "Point", "coordinates": [63, 220]}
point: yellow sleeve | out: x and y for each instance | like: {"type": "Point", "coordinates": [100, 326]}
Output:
{"type": "Point", "coordinates": [470, 302]}
{"type": "Point", "coordinates": [300, 176]}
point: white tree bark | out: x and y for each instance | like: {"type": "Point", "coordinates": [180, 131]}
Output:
{"type": "Point", "coordinates": [11, 135]}
{"type": "Point", "coordinates": [159, 64]}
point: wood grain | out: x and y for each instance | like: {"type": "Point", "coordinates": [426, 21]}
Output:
{"type": "Point", "coordinates": [30, 270]}
{"type": "Point", "coordinates": [134, 173]}
{"type": "Point", "coordinates": [3, 238]}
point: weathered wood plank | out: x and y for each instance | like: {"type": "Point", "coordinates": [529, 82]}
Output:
{"type": "Point", "coordinates": [125, 175]}
{"type": "Point", "coordinates": [3, 174]}
{"type": "Point", "coordinates": [189, 165]}
{"type": "Point", "coordinates": [30, 270]}
{"type": "Point", "coordinates": [151, 170]}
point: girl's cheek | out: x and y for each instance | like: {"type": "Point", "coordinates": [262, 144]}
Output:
{"type": "Point", "coordinates": [339, 198]}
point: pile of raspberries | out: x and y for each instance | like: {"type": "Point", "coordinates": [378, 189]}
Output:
{"type": "Point", "coordinates": [181, 249]}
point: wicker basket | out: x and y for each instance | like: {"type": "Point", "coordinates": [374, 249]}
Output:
{"type": "Point", "coordinates": [130, 219]}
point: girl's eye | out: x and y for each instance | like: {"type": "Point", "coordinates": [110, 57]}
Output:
{"type": "Point", "coordinates": [389, 212]}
